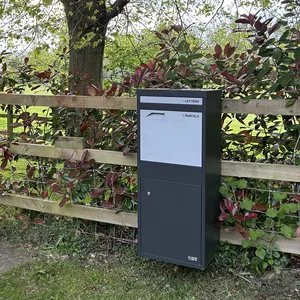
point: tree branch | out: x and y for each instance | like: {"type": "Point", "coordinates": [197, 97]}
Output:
{"type": "Point", "coordinates": [116, 9]}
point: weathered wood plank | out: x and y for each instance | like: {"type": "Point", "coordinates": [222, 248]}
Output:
{"type": "Point", "coordinates": [228, 168]}
{"type": "Point", "coordinates": [71, 210]}
{"type": "Point", "coordinates": [69, 142]}
{"type": "Point", "coordinates": [103, 156]}
{"type": "Point", "coordinates": [230, 235]}
{"type": "Point", "coordinates": [260, 170]}
{"type": "Point", "coordinates": [126, 103]}
{"type": "Point", "coordinates": [274, 107]}
{"type": "Point", "coordinates": [263, 106]}
{"type": "Point", "coordinates": [121, 218]}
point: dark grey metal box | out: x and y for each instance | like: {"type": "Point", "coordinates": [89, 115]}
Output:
{"type": "Point", "coordinates": [179, 146]}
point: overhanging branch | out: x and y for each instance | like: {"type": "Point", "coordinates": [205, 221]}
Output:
{"type": "Point", "coordinates": [116, 8]}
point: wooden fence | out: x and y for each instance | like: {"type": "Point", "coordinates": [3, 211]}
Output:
{"type": "Point", "coordinates": [228, 168]}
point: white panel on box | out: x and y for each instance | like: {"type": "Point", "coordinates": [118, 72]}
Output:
{"type": "Point", "coordinates": [171, 100]}
{"type": "Point", "coordinates": [172, 137]}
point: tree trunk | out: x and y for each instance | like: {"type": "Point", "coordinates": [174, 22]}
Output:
{"type": "Point", "coordinates": [87, 24]}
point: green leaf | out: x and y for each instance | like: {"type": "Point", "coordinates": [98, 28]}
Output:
{"type": "Point", "coordinates": [247, 243]}
{"type": "Point", "coordinates": [289, 207]}
{"type": "Point", "coordinates": [261, 253]}
{"type": "Point", "coordinates": [242, 183]}
{"type": "Point", "coordinates": [276, 54]}
{"type": "Point", "coordinates": [287, 231]}
{"type": "Point", "coordinates": [47, 2]}
{"type": "Point", "coordinates": [297, 53]}
{"type": "Point", "coordinates": [246, 204]}
{"type": "Point", "coordinates": [279, 196]}
{"type": "Point", "coordinates": [271, 213]}
{"type": "Point", "coordinates": [263, 72]}
{"type": "Point", "coordinates": [290, 102]}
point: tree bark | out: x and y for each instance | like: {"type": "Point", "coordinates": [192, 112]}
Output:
{"type": "Point", "coordinates": [87, 24]}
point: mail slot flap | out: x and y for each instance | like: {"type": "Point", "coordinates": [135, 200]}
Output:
{"type": "Point", "coordinates": [171, 100]}
{"type": "Point", "coordinates": [173, 137]}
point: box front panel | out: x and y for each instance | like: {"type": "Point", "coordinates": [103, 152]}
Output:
{"type": "Point", "coordinates": [170, 222]}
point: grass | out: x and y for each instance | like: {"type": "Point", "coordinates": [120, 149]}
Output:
{"type": "Point", "coordinates": [75, 263]}
{"type": "Point", "coordinates": [126, 276]}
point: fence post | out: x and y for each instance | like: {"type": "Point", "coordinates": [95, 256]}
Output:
{"type": "Point", "coordinates": [10, 129]}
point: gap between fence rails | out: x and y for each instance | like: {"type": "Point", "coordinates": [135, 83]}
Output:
{"type": "Point", "coordinates": [121, 218]}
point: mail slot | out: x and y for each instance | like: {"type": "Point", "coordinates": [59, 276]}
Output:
{"type": "Point", "coordinates": [179, 146]}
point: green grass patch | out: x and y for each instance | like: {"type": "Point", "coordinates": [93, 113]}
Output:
{"type": "Point", "coordinates": [126, 276]}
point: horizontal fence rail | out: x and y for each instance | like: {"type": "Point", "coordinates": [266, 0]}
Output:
{"type": "Point", "coordinates": [263, 106]}
{"type": "Point", "coordinates": [228, 168]}
{"type": "Point", "coordinates": [122, 218]}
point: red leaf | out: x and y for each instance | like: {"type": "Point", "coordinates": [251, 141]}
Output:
{"type": "Point", "coordinates": [229, 77]}
{"type": "Point", "coordinates": [4, 67]}
{"type": "Point", "coordinates": [64, 201]}
{"type": "Point", "coordinates": [239, 228]}
{"type": "Point", "coordinates": [4, 163]}
{"type": "Point", "coordinates": [226, 49]}
{"type": "Point", "coordinates": [30, 172]}
{"type": "Point", "coordinates": [218, 51]}
{"type": "Point", "coordinates": [26, 60]}
{"type": "Point", "coordinates": [108, 204]}
{"type": "Point", "coordinates": [230, 51]}
{"type": "Point", "coordinates": [121, 91]}
{"type": "Point", "coordinates": [44, 194]}
{"type": "Point", "coordinates": [222, 207]}
{"type": "Point", "coordinates": [84, 156]}
{"type": "Point", "coordinates": [111, 179]}
{"type": "Point", "coordinates": [296, 198]}
{"type": "Point", "coordinates": [112, 90]}
{"type": "Point", "coordinates": [239, 217]}
{"type": "Point", "coordinates": [242, 21]}
{"type": "Point", "coordinates": [298, 232]}
{"type": "Point", "coordinates": [38, 221]}
{"type": "Point", "coordinates": [229, 204]}
{"type": "Point", "coordinates": [119, 190]}
{"type": "Point", "coordinates": [245, 235]}
{"type": "Point", "coordinates": [223, 216]}
{"type": "Point", "coordinates": [64, 50]}
{"type": "Point", "coordinates": [250, 216]}
{"type": "Point", "coordinates": [257, 206]}
{"type": "Point", "coordinates": [91, 91]}
{"type": "Point", "coordinates": [125, 121]}
{"type": "Point", "coordinates": [22, 217]}
{"type": "Point", "coordinates": [98, 192]}
{"type": "Point", "coordinates": [213, 68]}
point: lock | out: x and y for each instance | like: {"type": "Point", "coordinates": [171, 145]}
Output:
{"type": "Point", "coordinates": [148, 193]}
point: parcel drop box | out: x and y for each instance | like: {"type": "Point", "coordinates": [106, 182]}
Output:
{"type": "Point", "coordinates": [179, 158]}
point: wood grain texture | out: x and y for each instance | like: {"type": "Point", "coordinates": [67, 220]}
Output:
{"type": "Point", "coordinates": [103, 156]}
{"type": "Point", "coordinates": [71, 210]}
{"type": "Point", "coordinates": [261, 170]}
{"type": "Point", "coordinates": [228, 168]}
{"type": "Point", "coordinates": [270, 107]}
{"type": "Point", "coordinates": [283, 244]}
{"type": "Point", "coordinates": [275, 107]}
{"type": "Point", "coordinates": [69, 142]}
{"type": "Point", "coordinates": [126, 103]}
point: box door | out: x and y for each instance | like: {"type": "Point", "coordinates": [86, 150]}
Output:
{"type": "Point", "coordinates": [171, 137]}
{"type": "Point", "coordinates": [170, 222]}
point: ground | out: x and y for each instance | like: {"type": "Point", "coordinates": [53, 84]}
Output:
{"type": "Point", "coordinates": [122, 275]}
{"type": "Point", "coordinates": [12, 257]}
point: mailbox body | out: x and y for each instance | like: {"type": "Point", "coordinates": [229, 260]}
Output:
{"type": "Point", "coordinates": [179, 146]}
